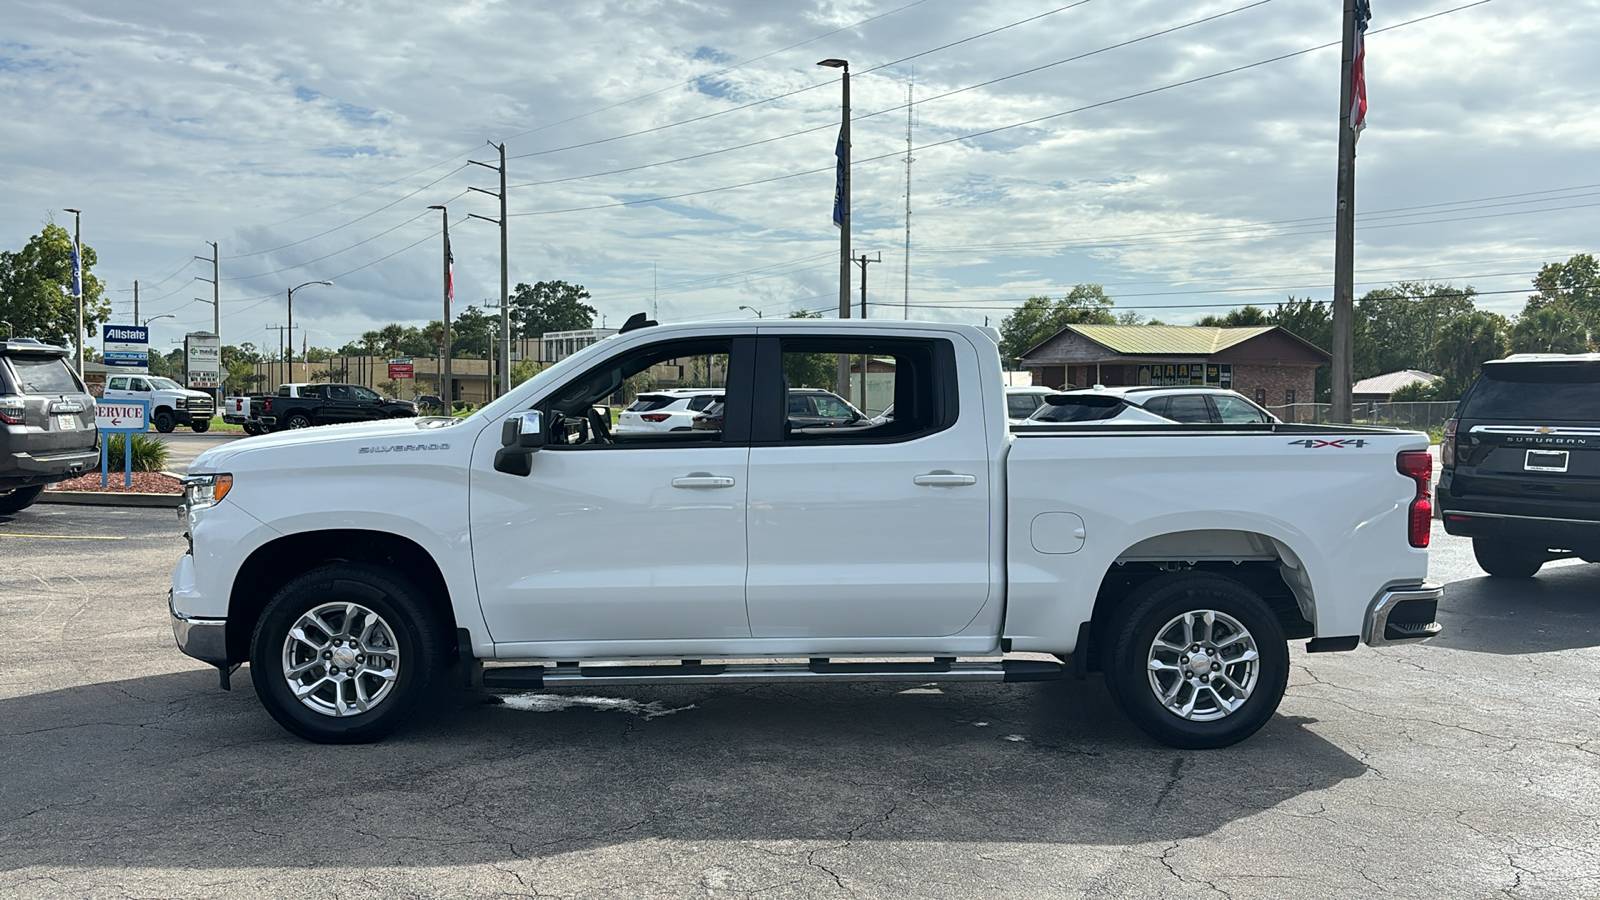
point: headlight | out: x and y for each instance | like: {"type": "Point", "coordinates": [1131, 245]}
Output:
{"type": "Point", "coordinates": [201, 491]}
{"type": "Point", "coordinates": [181, 402]}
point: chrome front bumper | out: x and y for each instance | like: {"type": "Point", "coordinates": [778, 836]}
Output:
{"type": "Point", "coordinates": [203, 639]}
{"type": "Point", "coordinates": [1403, 615]}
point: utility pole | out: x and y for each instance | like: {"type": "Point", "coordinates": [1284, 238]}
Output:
{"type": "Point", "coordinates": [278, 363]}
{"type": "Point", "coordinates": [906, 300]}
{"type": "Point", "coordinates": [1345, 218]}
{"type": "Point", "coordinates": [216, 307]}
{"type": "Point", "coordinates": [505, 275]}
{"type": "Point", "coordinates": [862, 261]}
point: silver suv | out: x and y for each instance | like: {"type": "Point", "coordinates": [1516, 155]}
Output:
{"type": "Point", "coordinates": [47, 428]}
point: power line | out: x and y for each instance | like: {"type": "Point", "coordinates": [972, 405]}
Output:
{"type": "Point", "coordinates": [355, 220]}
{"type": "Point", "coordinates": [986, 132]}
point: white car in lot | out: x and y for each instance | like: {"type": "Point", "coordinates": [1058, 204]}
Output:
{"type": "Point", "coordinates": [1192, 404]}
{"type": "Point", "coordinates": [1024, 400]}
{"type": "Point", "coordinates": [672, 409]}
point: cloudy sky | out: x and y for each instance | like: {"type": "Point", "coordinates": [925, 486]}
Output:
{"type": "Point", "coordinates": [679, 153]}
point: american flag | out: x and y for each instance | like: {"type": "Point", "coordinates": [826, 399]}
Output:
{"type": "Point", "coordinates": [1358, 75]}
{"type": "Point", "coordinates": [838, 181]}
{"type": "Point", "coordinates": [449, 270]}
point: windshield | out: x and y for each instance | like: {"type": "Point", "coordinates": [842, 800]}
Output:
{"type": "Point", "coordinates": [1555, 392]}
{"type": "Point", "coordinates": [166, 384]}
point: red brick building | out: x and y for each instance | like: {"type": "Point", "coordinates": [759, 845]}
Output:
{"type": "Point", "coordinates": [1267, 364]}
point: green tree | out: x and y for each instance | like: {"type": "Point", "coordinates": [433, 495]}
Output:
{"type": "Point", "coordinates": [549, 306]}
{"type": "Point", "coordinates": [526, 369]}
{"type": "Point", "coordinates": [1401, 325]}
{"type": "Point", "coordinates": [1550, 329]}
{"type": "Point", "coordinates": [1038, 318]}
{"type": "Point", "coordinates": [240, 365]}
{"type": "Point", "coordinates": [470, 334]}
{"type": "Point", "coordinates": [1465, 343]}
{"type": "Point", "coordinates": [36, 289]}
{"type": "Point", "coordinates": [1247, 316]}
{"type": "Point", "coordinates": [810, 369]}
{"type": "Point", "coordinates": [1572, 286]}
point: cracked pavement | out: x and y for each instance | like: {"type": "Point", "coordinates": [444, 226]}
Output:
{"type": "Point", "coordinates": [1466, 767]}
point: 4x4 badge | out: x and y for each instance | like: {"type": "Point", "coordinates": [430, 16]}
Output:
{"type": "Point", "coordinates": [1339, 443]}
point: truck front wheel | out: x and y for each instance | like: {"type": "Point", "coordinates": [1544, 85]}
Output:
{"type": "Point", "coordinates": [1197, 660]}
{"type": "Point", "coordinates": [343, 653]}
{"type": "Point", "coordinates": [200, 426]}
{"type": "Point", "coordinates": [298, 420]}
{"type": "Point", "coordinates": [164, 421]}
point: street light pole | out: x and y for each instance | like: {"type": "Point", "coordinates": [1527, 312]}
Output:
{"type": "Point", "coordinates": [446, 380]}
{"type": "Point", "coordinates": [752, 309]}
{"type": "Point", "coordinates": [77, 278]}
{"type": "Point", "coordinates": [841, 210]}
{"type": "Point", "coordinates": [290, 326]}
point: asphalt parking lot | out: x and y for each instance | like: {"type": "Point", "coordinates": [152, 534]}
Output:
{"type": "Point", "coordinates": [1467, 767]}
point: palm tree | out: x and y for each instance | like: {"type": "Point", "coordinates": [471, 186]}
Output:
{"type": "Point", "coordinates": [1550, 329]}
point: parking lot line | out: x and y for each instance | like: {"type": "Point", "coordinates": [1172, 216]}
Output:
{"type": "Point", "coordinates": [68, 537]}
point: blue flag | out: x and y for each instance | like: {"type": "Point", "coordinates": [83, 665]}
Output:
{"type": "Point", "coordinates": [77, 272]}
{"type": "Point", "coordinates": [838, 182]}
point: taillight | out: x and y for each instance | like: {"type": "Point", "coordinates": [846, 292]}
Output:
{"type": "Point", "coordinates": [1418, 466]}
{"type": "Point", "coordinates": [12, 410]}
{"type": "Point", "coordinates": [267, 404]}
{"type": "Point", "coordinates": [655, 417]}
{"type": "Point", "coordinates": [1447, 447]}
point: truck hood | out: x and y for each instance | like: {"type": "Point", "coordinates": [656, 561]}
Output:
{"type": "Point", "coordinates": [379, 433]}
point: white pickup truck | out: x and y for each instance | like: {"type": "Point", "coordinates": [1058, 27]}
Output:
{"type": "Point", "coordinates": [171, 404]}
{"type": "Point", "coordinates": [350, 565]}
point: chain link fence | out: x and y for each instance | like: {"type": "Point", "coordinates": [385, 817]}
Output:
{"type": "Point", "coordinates": [1413, 416]}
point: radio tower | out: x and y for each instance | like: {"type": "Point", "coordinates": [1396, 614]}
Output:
{"type": "Point", "coordinates": [906, 302]}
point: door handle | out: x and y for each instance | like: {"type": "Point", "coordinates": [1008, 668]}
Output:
{"type": "Point", "coordinates": [944, 479]}
{"type": "Point", "coordinates": [702, 480]}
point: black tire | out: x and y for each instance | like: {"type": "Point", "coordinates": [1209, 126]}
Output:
{"type": "Point", "coordinates": [19, 499]}
{"type": "Point", "coordinates": [201, 426]}
{"type": "Point", "coordinates": [1503, 561]}
{"type": "Point", "coordinates": [297, 420]}
{"type": "Point", "coordinates": [1152, 612]}
{"type": "Point", "coordinates": [252, 429]}
{"type": "Point", "coordinates": [164, 421]}
{"type": "Point", "coordinates": [414, 629]}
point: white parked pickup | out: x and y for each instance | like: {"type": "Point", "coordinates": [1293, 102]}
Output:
{"type": "Point", "coordinates": [528, 546]}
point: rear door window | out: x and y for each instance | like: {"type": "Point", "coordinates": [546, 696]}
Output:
{"type": "Point", "coordinates": [1187, 408]}
{"type": "Point", "coordinates": [1235, 411]}
{"type": "Point", "coordinates": [650, 402]}
{"type": "Point", "coordinates": [1535, 392]}
{"type": "Point", "coordinates": [44, 375]}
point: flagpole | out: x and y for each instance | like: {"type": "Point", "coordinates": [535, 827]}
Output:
{"type": "Point", "coordinates": [447, 380]}
{"type": "Point", "coordinates": [1352, 109]}
{"type": "Point", "coordinates": [77, 279]}
{"type": "Point", "coordinates": [841, 212]}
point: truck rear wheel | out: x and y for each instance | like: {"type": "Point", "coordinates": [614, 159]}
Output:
{"type": "Point", "coordinates": [298, 420]}
{"type": "Point", "coordinates": [343, 653]}
{"type": "Point", "coordinates": [19, 499]}
{"type": "Point", "coordinates": [1503, 561]}
{"type": "Point", "coordinates": [1197, 660]}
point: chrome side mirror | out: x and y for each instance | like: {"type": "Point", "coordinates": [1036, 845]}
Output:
{"type": "Point", "coordinates": [520, 437]}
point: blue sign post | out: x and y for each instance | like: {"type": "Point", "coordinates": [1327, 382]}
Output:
{"type": "Point", "coordinates": [124, 417]}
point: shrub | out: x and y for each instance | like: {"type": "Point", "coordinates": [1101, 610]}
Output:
{"type": "Point", "coordinates": [149, 454]}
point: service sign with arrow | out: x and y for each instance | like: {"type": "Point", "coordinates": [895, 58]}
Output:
{"type": "Point", "coordinates": [125, 417]}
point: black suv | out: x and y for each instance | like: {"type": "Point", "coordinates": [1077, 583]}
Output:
{"type": "Point", "coordinates": [47, 428]}
{"type": "Point", "coordinates": [1520, 463]}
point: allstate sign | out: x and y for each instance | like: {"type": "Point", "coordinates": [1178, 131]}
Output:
{"type": "Point", "coordinates": [126, 346]}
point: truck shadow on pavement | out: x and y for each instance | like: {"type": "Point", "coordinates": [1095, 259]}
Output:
{"type": "Point", "coordinates": [1558, 609]}
{"type": "Point", "coordinates": [166, 771]}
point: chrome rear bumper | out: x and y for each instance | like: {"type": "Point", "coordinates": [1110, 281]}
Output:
{"type": "Point", "coordinates": [1403, 615]}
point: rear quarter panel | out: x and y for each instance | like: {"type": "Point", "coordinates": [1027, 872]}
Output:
{"type": "Point", "coordinates": [1339, 511]}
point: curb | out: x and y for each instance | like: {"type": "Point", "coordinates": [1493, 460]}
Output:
{"type": "Point", "coordinates": [111, 498]}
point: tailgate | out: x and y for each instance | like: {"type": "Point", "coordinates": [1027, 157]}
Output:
{"type": "Point", "coordinates": [1530, 461]}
